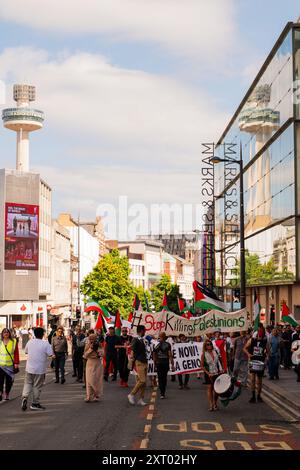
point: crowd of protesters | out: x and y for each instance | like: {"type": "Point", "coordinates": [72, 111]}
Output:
{"type": "Point", "coordinates": [97, 358]}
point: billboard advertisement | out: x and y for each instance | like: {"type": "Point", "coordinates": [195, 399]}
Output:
{"type": "Point", "coordinates": [21, 236]}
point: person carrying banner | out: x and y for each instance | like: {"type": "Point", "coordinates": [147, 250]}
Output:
{"type": "Point", "coordinates": [183, 384]}
{"type": "Point", "coordinates": [256, 349]}
{"type": "Point", "coordinates": [210, 362]}
{"type": "Point", "coordinates": [162, 357]}
{"type": "Point", "coordinates": [122, 347]}
{"type": "Point", "coordinates": [240, 368]}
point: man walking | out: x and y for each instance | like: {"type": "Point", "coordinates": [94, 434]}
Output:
{"type": "Point", "coordinates": [240, 367]}
{"type": "Point", "coordinates": [38, 352]}
{"type": "Point", "coordinates": [274, 354]}
{"type": "Point", "coordinates": [139, 355]}
{"type": "Point", "coordinates": [124, 342]}
{"type": "Point", "coordinates": [111, 353]}
{"type": "Point", "coordinates": [162, 358]}
{"type": "Point", "coordinates": [60, 349]}
{"type": "Point", "coordinates": [77, 353]}
{"type": "Point", "coordinates": [183, 384]}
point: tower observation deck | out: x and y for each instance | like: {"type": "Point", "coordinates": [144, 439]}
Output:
{"type": "Point", "coordinates": [23, 119]}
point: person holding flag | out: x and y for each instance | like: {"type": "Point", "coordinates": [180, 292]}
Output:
{"type": "Point", "coordinates": [110, 353]}
{"type": "Point", "coordinates": [286, 336]}
{"type": "Point", "coordinates": [122, 347]}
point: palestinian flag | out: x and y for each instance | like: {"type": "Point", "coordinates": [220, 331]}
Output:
{"type": "Point", "coordinates": [118, 323]}
{"type": "Point", "coordinates": [146, 302]}
{"type": "Point", "coordinates": [165, 301]}
{"type": "Point", "coordinates": [93, 306]}
{"type": "Point", "coordinates": [99, 323]}
{"type": "Point", "coordinates": [256, 313]}
{"type": "Point", "coordinates": [286, 315]}
{"type": "Point", "coordinates": [181, 304]}
{"type": "Point", "coordinates": [207, 299]}
{"type": "Point", "coordinates": [136, 306]}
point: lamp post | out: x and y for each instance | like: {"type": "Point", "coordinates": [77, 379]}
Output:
{"type": "Point", "coordinates": [216, 160]}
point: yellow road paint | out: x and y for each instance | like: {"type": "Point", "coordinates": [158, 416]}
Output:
{"type": "Point", "coordinates": [207, 427]}
{"type": "Point", "coordinates": [196, 444]}
{"type": "Point", "coordinates": [144, 444]}
{"type": "Point", "coordinates": [273, 445]}
{"type": "Point", "coordinates": [177, 427]}
{"type": "Point", "coordinates": [151, 407]}
{"type": "Point", "coordinates": [242, 430]}
{"type": "Point", "coordinates": [274, 430]}
{"type": "Point", "coordinates": [149, 416]}
{"type": "Point", "coordinates": [220, 445]}
{"type": "Point", "coordinates": [147, 428]}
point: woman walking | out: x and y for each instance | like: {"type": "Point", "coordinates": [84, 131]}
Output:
{"type": "Point", "coordinates": [93, 354]}
{"type": "Point", "coordinates": [9, 362]}
{"type": "Point", "coordinates": [210, 362]}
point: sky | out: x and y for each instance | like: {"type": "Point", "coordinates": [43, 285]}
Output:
{"type": "Point", "coordinates": [130, 90]}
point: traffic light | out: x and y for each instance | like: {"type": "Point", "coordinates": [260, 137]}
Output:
{"type": "Point", "coordinates": [78, 312]}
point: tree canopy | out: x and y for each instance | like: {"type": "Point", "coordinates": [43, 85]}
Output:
{"type": "Point", "coordinates": [108, 283]}
{"type": "Point", "coordinates": [172, 291]}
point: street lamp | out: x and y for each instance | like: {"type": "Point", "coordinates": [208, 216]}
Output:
{"type": "Point", "coordinates": [216, 160]}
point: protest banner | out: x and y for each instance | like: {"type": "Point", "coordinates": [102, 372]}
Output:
{"type": "Point", "coordinates": [187, 358]}
{"type": "Point", "coordinates": [174, 325]}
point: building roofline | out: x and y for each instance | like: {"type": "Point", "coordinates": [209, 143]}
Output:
{"type": "Point", "coordinates": [146, 242]}
{"type": "Point", "coordinates": [270, 56]}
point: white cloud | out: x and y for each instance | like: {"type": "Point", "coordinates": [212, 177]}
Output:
{"type": "Point", "coordinates": [123, 131]}
{"type": "Point", "coordinates": [104, 111]}
{"type": "Point", "coordinates": [103, 185]}
{"type": "Point", "coordinates": [197, 28]}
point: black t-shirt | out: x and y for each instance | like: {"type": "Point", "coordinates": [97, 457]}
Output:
{"type": "Point", "coordinates": [287, 337]}
{"type": "Point", "coordinates": [76, 340]}
{"type": "Point", "coordinates": [111, 342]}
{"type": "Point", "coordinates": [162, 352]}
{"type": "Point", "coordinates": [122, 341]}
{"type": "Point", "coordinates": [258, 349]}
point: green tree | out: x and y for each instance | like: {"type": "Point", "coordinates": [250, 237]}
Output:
{"type": "Point", "coordinates": [142, 293]}
{"type": "Point", "coordinates": [172, 290]}
{"type": "Point", "coordinates": [109, 283]}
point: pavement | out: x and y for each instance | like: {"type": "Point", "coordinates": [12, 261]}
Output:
{"type": "Point", "coordinates": [284, 394]}
{"type": "Point", "coordinates": [180, 422]}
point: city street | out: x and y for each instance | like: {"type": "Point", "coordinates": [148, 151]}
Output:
{"type": "Point", "coordinates": [181, 422]}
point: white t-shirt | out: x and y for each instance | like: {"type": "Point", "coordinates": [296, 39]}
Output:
{"type": "Point", "coordinates": [38, 351]}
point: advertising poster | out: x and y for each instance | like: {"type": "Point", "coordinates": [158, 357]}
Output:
{"type": "Point", "coordinates": [21, 236]}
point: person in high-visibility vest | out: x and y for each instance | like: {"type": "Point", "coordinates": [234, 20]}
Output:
{"type": "Point", "coordinates": [9, 361]}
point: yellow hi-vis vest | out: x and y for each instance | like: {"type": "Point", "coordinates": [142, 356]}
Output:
{"type": "Point", "coordinates": [5, 359]}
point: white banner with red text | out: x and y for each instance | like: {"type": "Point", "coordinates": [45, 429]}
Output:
{"type": "Point", "coordinates": [186, 356]}
{"type": "Point", "coordinates": [174, 325]}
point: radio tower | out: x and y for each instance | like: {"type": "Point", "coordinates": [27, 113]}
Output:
{"type": "Point", "coordinates": [23, 120]}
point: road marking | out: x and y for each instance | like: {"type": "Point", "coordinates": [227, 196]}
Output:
{"type": "Point", "coordinates": [152, 400]}
{"type": "Point", "coordinates": [149, 416]}
{"type": "Point", "coordinates": [147, 428]}
{"type": "Point", "coordinates": [151, 407]}
{"type": "Point", "coordinates": [288, 417]}
{"type": "Point", "coordinates": [144, 444]}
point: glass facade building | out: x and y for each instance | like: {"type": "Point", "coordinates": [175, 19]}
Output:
{"type": "Point", "coordinates": [266, 127]}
